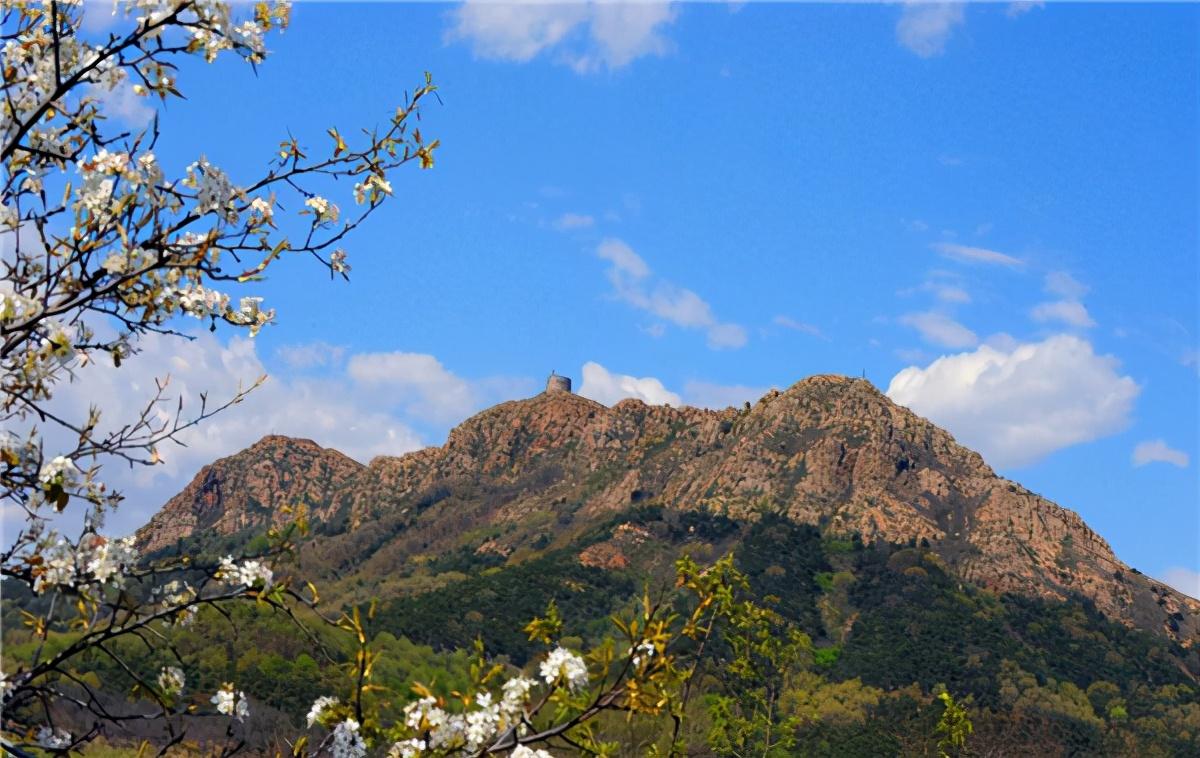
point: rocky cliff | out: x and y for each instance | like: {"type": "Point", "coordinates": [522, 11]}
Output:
{"type": "Point", "coordinates": [829, 451]}
{"type": "Point", "coordinates": [246, 491]}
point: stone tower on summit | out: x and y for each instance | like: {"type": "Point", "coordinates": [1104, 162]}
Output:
{"type": "Point", "coordinates": [558, 383]}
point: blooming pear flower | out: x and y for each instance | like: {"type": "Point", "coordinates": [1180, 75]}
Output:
{"type": "Point", "coordinates": [347, 742]}
{"type": "Point", "coordinates": [60, 470]}
{"type": "Point", "coordinates": [250, 573]}
{"type": "Point", "coordinates": [565, 666]}
{"type": "Point", "coordinates": [58, 567]}
{"type": "Point", "coordinates": [371, 188]}
{"type": "Point", "coordinates": [263, 209]}
{"type": "Point", "coordinates": [231, 703]}
{"type": "Point", "coordinates": [642, 653]}
{"type": "Point", "coordinates": [105, 558]}
{"type": "Point", "coordinates": [53, 738]}
{"type": "Point", "coordinates": [323, 210]}
{"type": "Point", "coordinates": [515, 693]}
{"type": "Point", "coordinates": [319, 706]}
{"type": "Point", "coordinates": [410, 748]}
{"type": "Point", "coordinates": [171, 680]}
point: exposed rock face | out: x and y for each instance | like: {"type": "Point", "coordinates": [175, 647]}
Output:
{"type": "Point", "coordinates": [248, 490]}
{"type": "Point", "coordinates": [829, 451]}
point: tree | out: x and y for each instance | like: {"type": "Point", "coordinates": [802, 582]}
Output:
{"type": "Point", "coordinates": [953, 728]}
{"type": "Point", "coordinates": [101, 247]}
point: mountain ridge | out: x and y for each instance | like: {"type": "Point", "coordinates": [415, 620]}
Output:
{"type": "Point", "coordinates": [828, 451]}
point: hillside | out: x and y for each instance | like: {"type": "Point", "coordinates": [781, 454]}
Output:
{"type": "Point", "coordinates": [531, 476]}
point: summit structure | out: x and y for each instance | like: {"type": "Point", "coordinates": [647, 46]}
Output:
{"type": "Point", "coordinates": [557, 383]}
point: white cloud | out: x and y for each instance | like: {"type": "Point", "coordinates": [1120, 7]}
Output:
{"type": "Point", "coordinates": [585, 35]}
{"type": "Point", "coordinates": [1183, 579]}
{"type": "Point", "coordinates": [940, 329]}
{"type": "Point", "coordinates": [721, 336]}
{"type": "Point", "coordinates": [1018, 403]}
{"type": "Point", "coordinates": [910, 355]}
{"type": "Point", "coordinates": [418, 383]}
{"type": "Point", "coordinates": [949, 293]}
{"type": "Point", "coordinates": [1069, 309]}
{"type": "Point", "coordinates": [1158, 451]}
{"type": "Point", "coordinates": [799, 326]}
{"type": "Point", "coordinates": [718, 396]}
{"type": "Point", "coordinates": [310, 355]}
{"type": "Point", "coordinates": [367, 410]}
{"type": "Point", "coordinates": [1021, 7]}
{"type": "Point", "coordinates": [924, 28]}
{"type": "Point", "coordinates": [100, 16]}
{"type": "Point", "coordinates": [631, 280]}
{"type": "Point", "coordinates": [1061, 283]}
{"type": "Point", "coordinates": [123, 104]}
{"type": "Point", "coordinates": [945, 291]}
{"type": "Point", "coordinates": [514, 31]}
{"type": "Point", "coordinates": [568, 221]}
{"type": "Point", "coordinates": [1191, 358]}
{"type": "Point", "coordinates": [623, 32]}
{"type": "Point", "coordinates": [1071, 312]}
{"type": "Point", "coordinates": [625, 261]}
{"type": "Point", "coordinates": [603, 386]}
{"type": "Point", "coordinates": [968, 254]}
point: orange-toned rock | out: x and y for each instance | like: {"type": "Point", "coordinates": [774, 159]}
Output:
{"type": "Point", "coordinates": [829, 451]}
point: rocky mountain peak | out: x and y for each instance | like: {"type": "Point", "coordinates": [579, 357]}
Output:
{"type": "Point", "coordinates": [830, 451]}
{"type": "Point", "coordinates": [246, 490]}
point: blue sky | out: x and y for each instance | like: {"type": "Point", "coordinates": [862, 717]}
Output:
{"type": "Point", "coordinates": [990, 209]}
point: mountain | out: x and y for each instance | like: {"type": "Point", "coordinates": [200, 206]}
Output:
{"type": "Point", "coordinates": [533, 476]}
{"type": "Point", "coordinates": [245, 491]}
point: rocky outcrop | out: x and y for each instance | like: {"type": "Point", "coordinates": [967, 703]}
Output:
{"type": "Point", "coordinates": [248, 491]}
{"type": "Point", "coordinates": [829, 451]}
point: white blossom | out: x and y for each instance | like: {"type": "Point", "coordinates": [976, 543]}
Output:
{"type": "Point", "coordinates": [176, 593]}
{"type": "Point", "coordinates": [57, 342]}
{"type": "Point", "coordinates": [410, 748]}
{"type": "Point", "coordinates": [319, 706]}
{"type": "Point", "coordinates": [105, 558]}
{"type": "Point", "coordinates": [323, 210]}
{"type": "Point", "coordinates": [115, 263]}
{"type": "Point", "coordinates": [231, 703]}
{"type": "Point", "coordinates": [483, 723]}
{"type": "Point", "coordinates": [423, 714]}
{"type": "Point", "coordinates": [512, 702]}
{"type": "Point", "coordinates": [60, 470]}
{"type": "Point", "coordinates": [107, 76]}
{"type": "Point", "coordinates": [214, 192]}
{"type": "Point", "coordinates": [171, 680]}
{"type": "Point", "coordinates": [249, 573]}
{"type": "Point", "coordinates": [263, 209]}
{"type": "Point", "coordinates": [14, 307]}
{"type": "Point", "coordinates": [642, 653]}
{"type": "Point", "coordinates": [53, 738]}
{"type": "Point", "coordinates": [58, 567]}
{"type": "Point", "coordinates": [565, 666]}
{"type": "Point", "coordinates": [347, 742]}
{"type": "Point", "coordinates": [452, 732]}
{"type": "Point", "coordinates": [371, 188]}
{"type": "Point", "coordinates": [522, 751]}
{"type": "Point", "coordinates": [9, 216]}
